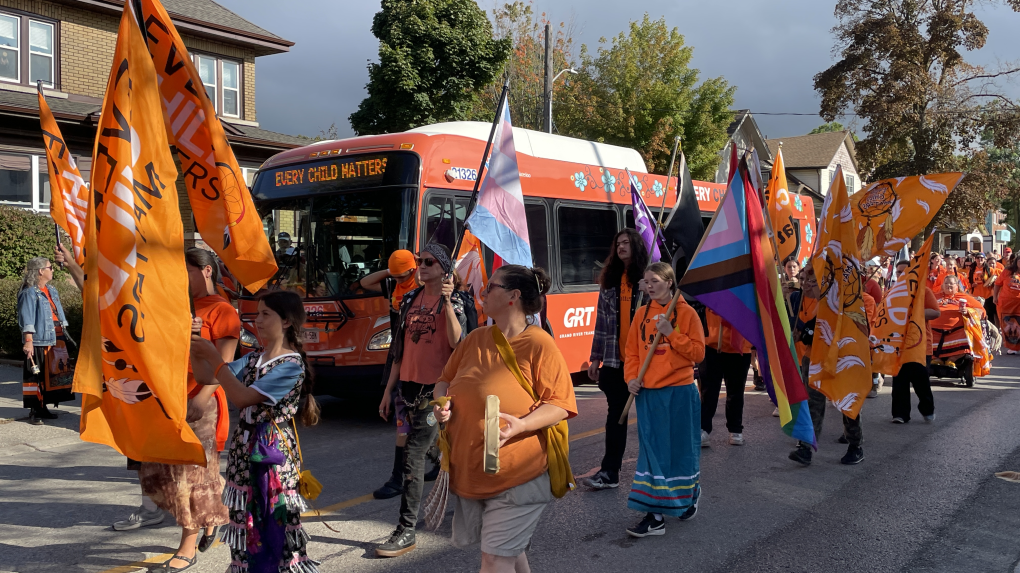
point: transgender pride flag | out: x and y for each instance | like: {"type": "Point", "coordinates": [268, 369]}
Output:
{"type": "Point", "coordinates": [498, 218]}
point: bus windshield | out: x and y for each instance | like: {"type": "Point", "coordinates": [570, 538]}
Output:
{"type": "Point", "coordinates": [324, 244]}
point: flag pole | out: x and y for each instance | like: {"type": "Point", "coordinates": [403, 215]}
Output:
{"type": "Point", "coordinates": [478, 178]}
{"type": "Point", "coordinates": [651, 353]}
{"type": "Point", "coordinates": [669, 175]}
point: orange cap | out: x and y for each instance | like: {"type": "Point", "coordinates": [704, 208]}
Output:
{"type": "Point", "coordinates": [401, 261]}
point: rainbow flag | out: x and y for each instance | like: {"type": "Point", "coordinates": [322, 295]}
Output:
{"type": "Point", "coordinates": [734, 274]}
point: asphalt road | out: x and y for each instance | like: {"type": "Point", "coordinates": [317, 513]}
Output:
{"type": "Point", "coordinates": [923, 500]}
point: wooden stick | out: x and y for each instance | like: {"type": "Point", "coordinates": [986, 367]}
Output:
{"type": "Point", "coordinates": [648, 358]}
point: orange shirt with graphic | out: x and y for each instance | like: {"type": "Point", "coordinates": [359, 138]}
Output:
{"type": "Point", "coordinates": [676, 354]}
{"type": "Point", "coordinates": [476, 370]}
{"type": "Point", "coordinates": [626, 302]}
{"type": "Point", "coordinates": [723, 337]}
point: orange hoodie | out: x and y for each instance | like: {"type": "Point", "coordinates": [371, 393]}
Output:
{"type": "Point", "coordinates": [723, 337]}
{"type": "Point", "coordinates": [676, 355]}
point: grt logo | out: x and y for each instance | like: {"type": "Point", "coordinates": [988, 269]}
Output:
{"type": "Point", "coordinates": [576, 317]}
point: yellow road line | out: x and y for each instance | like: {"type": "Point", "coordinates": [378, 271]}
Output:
{"type": "Point", "coordinates": [162, 558]}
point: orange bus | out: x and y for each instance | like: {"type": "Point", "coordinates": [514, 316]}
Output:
{"type": "Point", "coordinates": [341, 207]}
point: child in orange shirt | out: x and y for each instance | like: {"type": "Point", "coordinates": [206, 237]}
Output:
{"type": "Point", "coordinates": [666, 480]}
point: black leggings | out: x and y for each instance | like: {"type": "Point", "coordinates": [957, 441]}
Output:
{"type": "Point", "coordinates": [732, 368]}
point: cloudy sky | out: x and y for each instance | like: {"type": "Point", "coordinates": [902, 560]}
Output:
{"type": "Point", "coordinates": [769, 50]}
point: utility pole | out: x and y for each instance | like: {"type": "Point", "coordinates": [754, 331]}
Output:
{"type": "Point", "coordinates": [547, 109]}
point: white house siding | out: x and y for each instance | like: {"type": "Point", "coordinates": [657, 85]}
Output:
{"type": "Point", "coordinates": [842, 158]}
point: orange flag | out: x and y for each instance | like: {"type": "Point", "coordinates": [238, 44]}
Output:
{"type": "Point", "coordinates": [898, 337]}
{"type": "Point", "coordinates": [780, 210]}
{"type": "Point", "coordinates": [132, 371]}
{"type": "Point", "coordinates": [224, 212]}
{"type": "Point", "coordinates": [840, 352]}
{"type": "Point", "coordinates": [69, 196]}
{"type": "Point", "coordinates": [891, 212]}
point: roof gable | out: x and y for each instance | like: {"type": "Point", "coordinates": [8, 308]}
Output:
{"type": "Point", "coordinates": [813, 151]}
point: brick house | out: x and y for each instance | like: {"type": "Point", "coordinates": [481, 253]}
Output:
{"type": "Point", "coordinates": [69, 45]}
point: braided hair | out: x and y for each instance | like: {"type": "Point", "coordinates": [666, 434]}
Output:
{"type": "Point", "coordinates": [288, 305]}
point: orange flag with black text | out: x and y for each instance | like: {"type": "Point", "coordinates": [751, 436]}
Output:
{"type": "Point", "coordinates": [780, 210]}
{"type": "Point", "coordinates": [891, 212]}
{"type": "Point", "coordinates": [132, 371]}
{"type": "Point", "coordinates": [69, 195]}
{"type": "Point", "coordinates": [224, 211]}
{"type": "Point", "coordinates": [899, 333]}
{"type": "Point", "coordinates": [840, 351]}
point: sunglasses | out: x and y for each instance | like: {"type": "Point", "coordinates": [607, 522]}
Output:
{"type": "Point", "coordinates": [488, 287]}
{"type": "Point", "coordinates": [424, 262]}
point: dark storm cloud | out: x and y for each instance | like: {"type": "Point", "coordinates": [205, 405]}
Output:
{"type": "Point", "coordinates": [769, 50]}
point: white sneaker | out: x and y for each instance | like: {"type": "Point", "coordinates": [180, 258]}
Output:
{"type": "Point", "coordinates": [140, 518]}
{"type": "Point", "coordinates": [704, 439]}
{"type": "Point", "coordinates": [1008, 351]}
{"type": "Point", "coordinates": [736, 439]}
{"type": "Point", "coordinates": [775, 413]}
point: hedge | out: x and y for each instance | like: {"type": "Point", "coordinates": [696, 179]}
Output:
{"type": "Point", "coordinates": [10, 334]}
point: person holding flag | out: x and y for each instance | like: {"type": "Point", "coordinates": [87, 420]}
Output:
{"type": "Point", "coordinates": [47, 371]}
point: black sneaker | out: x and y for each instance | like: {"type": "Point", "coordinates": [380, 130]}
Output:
{"type": "Point", "coordinates": [400, 542]}
{"type": "Point", "coordinates": [759, 384]}
{"type": "Point", "coordinates": [854, 455]}
{"type": "Point", "coordinates": [33, 419]}
{"type": "Point", "coordinates": [802, 455]}
{"type": "Point", "coordinates": [648, 526]}
{"type": "Point", "coordinates": [45, 414]}
{"type": "Point", "coordinates": [690, 513]}
{"type": "Point", "coordinates": [390, 489]}
{"type": "Point", "coordinates": [605, 479]}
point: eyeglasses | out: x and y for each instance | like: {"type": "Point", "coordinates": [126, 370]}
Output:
{"type": "Point", "coordinates": [488, 287]}
{"type": "Point", "coordinates": [425, 262]}
{"type": "Point", "coordinates": [50, 268]}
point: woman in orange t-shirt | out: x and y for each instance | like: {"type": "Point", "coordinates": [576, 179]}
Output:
{"type": "Point", "coordinates": [666, 480]}
{"type": "Point", "coordinates": [192, 493]}
{"type": "Point", "coordinates": [1007, 303]}
{"type": "Point", "coordinates": [500, 511]}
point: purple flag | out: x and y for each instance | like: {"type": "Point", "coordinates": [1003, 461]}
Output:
{"type": "Point", "coordinates": [643, 220]}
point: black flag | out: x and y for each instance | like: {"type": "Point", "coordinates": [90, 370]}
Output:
{"type": "Point", "coordinates": [683, 228]}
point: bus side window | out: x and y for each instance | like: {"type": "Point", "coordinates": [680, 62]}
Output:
{"type": "Point", "coordinates": [586, 235]}
{"type": "Point", "coordinates": [538, 234]}
{"type": "Point", "coordinates": [440, 226]}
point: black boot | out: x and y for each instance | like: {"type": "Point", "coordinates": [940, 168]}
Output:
{"type": "Point", "coordinates": [395, 485]}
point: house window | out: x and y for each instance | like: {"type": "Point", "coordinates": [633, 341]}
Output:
{"type": "Point", "coordinates": [28, 48]}
{"type": "Point", "coordinates": [25, 181]}
{"type": "Point", "coordinates": [850, 183]}
{"type": "Point", "coordinates": [222, 81]}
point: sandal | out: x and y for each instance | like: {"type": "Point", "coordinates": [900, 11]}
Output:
{"type": "Point", "coordinates": [166, 568]}
{"type": "Point", "coordinates": [207, 540]}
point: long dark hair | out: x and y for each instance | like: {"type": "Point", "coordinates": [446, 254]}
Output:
{"type": "Point", "coordinates": [201, 258]}
{"type": "Point", "coordinates": [614, 267]}
{"type": "Point", "coordinates": [288, 305]}
{"type": "Point", "coordinates": [1012, 266]}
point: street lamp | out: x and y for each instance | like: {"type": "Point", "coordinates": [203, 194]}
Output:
{"type": "Point", "coordinates": [548, 98]}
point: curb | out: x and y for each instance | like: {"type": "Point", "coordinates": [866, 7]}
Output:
{"type": "Point", "coordinates": [11, 362]}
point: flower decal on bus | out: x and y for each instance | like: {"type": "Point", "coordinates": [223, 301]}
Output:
{"type": "Point", "coordinates": [608, 181]}
{"type": "Point", "coordinates": [658, 189]}
{"type": "Point", "coordinates": [580, 180]}
{"type": "Point", "coordinates": [798, 203]}
{"type": "Point", "coordinates": [808, 233]}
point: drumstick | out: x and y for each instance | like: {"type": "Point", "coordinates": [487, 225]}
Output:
{"type": "Point", "coordinates": [648, 358]}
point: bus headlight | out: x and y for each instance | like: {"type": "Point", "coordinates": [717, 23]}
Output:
{"type": "Point", "coordinates": [381, 340]}
{"type": "Point", "coordinates": [248, 339]}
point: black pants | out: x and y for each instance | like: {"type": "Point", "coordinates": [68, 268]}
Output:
{"type": "Point", "coordinates": [419, 440]}
{"type": "Point", "coordinates": [732, 368]}
{"type": "Point", "coordinates": [991, 311]}
{"type": "Point", "coordinates": [916, 375]}
{"type": "Point", "coordinates": [611, 383]}
{"type": "Point", "coordinates": [816, 404]}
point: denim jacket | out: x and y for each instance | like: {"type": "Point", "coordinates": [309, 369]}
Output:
{"type": "Point", "coordinates": [35, 316]}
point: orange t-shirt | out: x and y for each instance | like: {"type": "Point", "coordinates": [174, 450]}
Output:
{"type": "Point", "coordinates": [1007, 286]}
{"type": "Point", "coordinates": [930, 303]}
{"type": "Point", "coordinates": [874, 289]}
{"type": "Point", "coordinates": [219, 321]}
{"type": "Point", "coordinates": [401, 289]}
{"type": "Point", "coordinates": [935, 277]}
{"type": "Point", "coordinates": [676, 354]}
{"type": "Point", "coordinates": [808, 311]}
{"type": "Point", "coordinates": [426, 346]}
{"type": "Point", "coordinates": [980, 278]}
{"type": "Point", "coordinates": [476, 370]}
{"type": "Point", "coordinates": [626, 300]}
{"type": "Point", "coordinates": [723, 337]}
{"type": "Point", "coordinates": [870, 308]}
{"type": "Point", "coordinates": [53, 307]}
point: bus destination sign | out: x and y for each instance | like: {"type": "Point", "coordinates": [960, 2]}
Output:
{"type": "Point", "coordinates": [363, 170]}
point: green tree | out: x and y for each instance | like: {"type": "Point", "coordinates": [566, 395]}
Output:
{"type": "Point", "coordinates": [525, 68]}
{"type": "Point", "coordinates": [433, 57]}
{"type": "Point", "coordinates": [902, 71]}
{"type": "Point", "coordinates": [639, 91]}
{"type": "Point", "coordinates": [828, 128]}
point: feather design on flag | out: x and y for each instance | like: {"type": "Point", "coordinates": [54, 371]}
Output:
{"type": "Point", "coordinates": [498, 219]}
{"type": "Point", "coordinates": [900, 208]}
